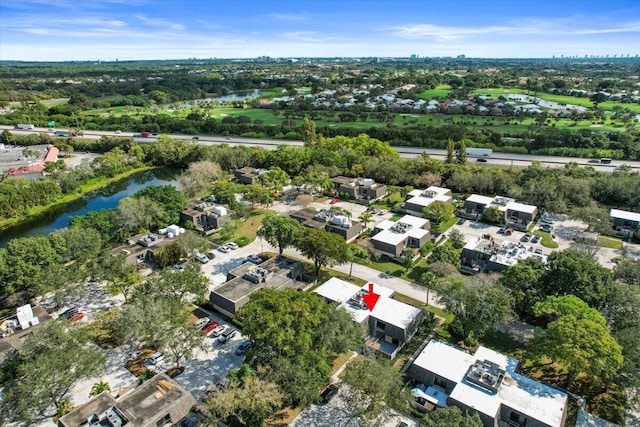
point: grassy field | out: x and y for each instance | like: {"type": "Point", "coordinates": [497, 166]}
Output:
{"type": "Point", "coordinates": [546, 241]}
{"type": "Point", "coordinates": [439, 92]}
{"type": "Point", "coordinates": [608, 242]}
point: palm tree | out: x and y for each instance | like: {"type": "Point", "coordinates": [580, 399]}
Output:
{"type": "Point", "coordinates": [365, 218]}
{"type": "Point", "coordinates": [429, 281]}
{"type": "Point", "coordinates": [99, 388]}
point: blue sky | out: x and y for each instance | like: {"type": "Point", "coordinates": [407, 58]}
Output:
{"type": "Point", "coordinates": [155, 29]}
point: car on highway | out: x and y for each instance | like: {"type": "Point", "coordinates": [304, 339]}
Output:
{"type": "Point", "coordinates": [328, 393]}
{"type": "Point", "coordinates": [481, 160]}
{"type": "Point", "coordinates": [242, 348]}
{"type": "Point", "coordinates": [594, 160]}
{"type": "Point", "coordinates": [232, 245]}
{"type": "Point", "coordinates": [228, 138]}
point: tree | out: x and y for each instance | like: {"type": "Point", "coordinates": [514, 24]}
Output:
{"type": "Point", "coordinates": [579, 340]}
{"type": "Point", "coordinates": [428, 280]}
{"type": "Point", "coordinates": [51, 361]}
{"type": "Point", "coordinates": [478, 304]}
{"type": "Point", "coordinates": [80, 244]}
{"type": "Point", "coordinates": [355, 252]}
{"type": "Point", "coordinates": [256, 193]}
{"type": "Point", "coordinates": [182, 339]}
{"type": "Point", "coordinates": [523, 282]}
{"type": "Point", "coordinates": [253, 400]}
{"type": "Point", "coordinates": [573, 272]}
{"type": "Point", "coordinates": [99, 387]}
{"type": "Point", "coordinates": [597, 219]}
{"type": "Point", "coordinates": [199, 177]}
{"type": "Point", "coordinates": [175, 286]}
{"type": "Point", "coordinates": [295, 336]}
{"type": "Point", "coordinates": [373, 387]}
{"type": "Point", "coordinates": [136, 215]}
{"type": "Point", "coordinates": [462, 153]}
{"type": "Point", "coordinates": [451, 148]}
{"type": "Point", "coordinates": [322, 247]}
{"type": "Point", "coordinates": [169, 198]}
{"type": "Point", "coordinates": [452, 416]}
{"type": "Point", "coordinates": [275, 179]}
{"type": "Point", "coordinates": [456, 236]}
{"type": "Point", "coordinates": [438, 212]}
{"type": "Point", "coordinates": [309, 134]}
{"type": "Point", "coordinates": [492, 215]}
{"type": "Point", "coordinates": [627, 271]}
{"type": "Point", "coordinates": [365, 218]}
{"type": "Point", "coordinates": [280, 231]}
{"type": "Point", "coordinates": [445, 253]}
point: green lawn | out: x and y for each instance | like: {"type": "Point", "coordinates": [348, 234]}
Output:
{"type": "Point", "coordinates": [546, 241]}
{"type": "Point", "coordinates": [608, 242]}
{"type": "Point", "coordinates": [440, 92]}
{"type": "Point", "coordinates": [388, 267]}
{"type": "Point", "coordinates": [501, 342]}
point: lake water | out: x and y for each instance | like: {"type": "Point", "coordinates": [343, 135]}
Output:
{"type": "Point", "coordinates": [225, 98]}
{"type": "Point", "coordinates": [105, 198]}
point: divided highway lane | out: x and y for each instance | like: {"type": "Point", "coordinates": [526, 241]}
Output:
{"type": "Point", "coordinates": [501, 159]}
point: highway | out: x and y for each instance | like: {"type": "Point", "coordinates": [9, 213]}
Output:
{"type": "Point", "coordinates": [500, 159]}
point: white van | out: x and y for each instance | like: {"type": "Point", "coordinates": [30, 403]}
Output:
{"type": "Point", "coordinates": [201, 258]}
{"type": "Point", "coordinates": [201, 322]}
{"type": "Point", "coordinates": [156, 358]}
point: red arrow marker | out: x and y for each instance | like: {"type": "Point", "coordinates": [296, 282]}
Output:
{"type": "Point", "coordinates": [370, 299]}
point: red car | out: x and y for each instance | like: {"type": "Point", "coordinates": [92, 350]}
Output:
{"type": "Point", "coordinates": [334, 201]}
{"type": "Point", "coordinates": [208, 330]}
{"type": "Point", "coordinates": [76, 316]}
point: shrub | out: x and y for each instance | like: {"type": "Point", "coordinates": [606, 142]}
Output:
{"type": "Point", "coordinates": [243, 241]}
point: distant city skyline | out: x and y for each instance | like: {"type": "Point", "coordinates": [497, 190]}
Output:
{"type": "Point", "coordinates": [91, 30]}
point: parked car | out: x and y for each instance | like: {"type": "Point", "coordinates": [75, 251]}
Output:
{"type": "Point", "coordinates": [211, 255]}
{"type": "Point", "coordinates": [201, 258]}
{"type": "Point", "coordinates": [232, 245]}
{"type": "Point", "coordinates": [402, 424]}
{"type": "Point", "coordinates": [546, 228]}
{"type": "Point", "coordinates": [219, 330]}
{"type": "Point", "coordinates": [328, 393]}
{"type": "Point", "coordinates": [462, 221]}
{"type": "Point", "coordinates": [201, 322]}
{"type": "Point", "coordinates": [224, 249]}
{"type": "Point", "coordinates": [156, 358]}
{"type": "Point", "coordinates": [382, 211]}
{"type": "Point", "coordinates": [334, 201]}
{"type": "Point", "coordinates": [211, 326]}
{"type": "Point", "coordinates": [242, 348]}
{"type": "Point", "coordinates": [226, 336]}
{"type": "Point", "coordinates": [536, 239]}
{"type": "Point", "coordinates": [76, 316]}
{"type": "Point", "coordinates": [254, 259]}
{"type": "Point", "coordinates": [508, 231]}
{"type": "Point", "coordinates": [178, 267]}
{"type": "Point", "coordinates": [538, 251]}
{"type": "Point", "coordinates": [69, 312]}
{"type": "Point", "coordinates": [527, 237]}
{"type": "Point", "coordinates": [133, 355]}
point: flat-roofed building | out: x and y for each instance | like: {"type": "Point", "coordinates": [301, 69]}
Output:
{"type": "Point", "coordinates": [329, 221]}
{"type": "Point", "coordinates": [625, 223]}
{"type": "Point", "coordinates": [417, 200]}
{"type": "Point", "coordinates": [481, 254]}
{"type": "Point", "coordinates": [361, 190]}
{"type": "Point", "coordinates": [487, 383]}
{"type": "Point", "coordinates": [277, 273]}
{"type": "Point", "coordinates": [392, 237]}
{"type": "Point", "coordinates": [141, 248]}
{"type": "Point", "coordinates": [157, 402]}
{"type": "Point", "coordinates": [206, 217]}
{"type": "Point", "coordinates": [389, 325]}
{"type": "Point", "coordinates": [248, 175]}
{"type": "Point", "coordinates": [516, 215]}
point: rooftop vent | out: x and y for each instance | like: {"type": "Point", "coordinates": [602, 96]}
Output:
{"type": "Point", "coordinates": [502, 201]}
{"type": "Point", "coordinates": [357, 301]}
{"type": "Point", "coordinates": [429, 193]}
{"type": "Point", "coordinates": [486, 374]}
{"type": "Point", "coordinates": [149, 239]}
{"type": "Point", "coordinates": [256, 275]}
{"type": "Point", "coordinates": [401, 227]}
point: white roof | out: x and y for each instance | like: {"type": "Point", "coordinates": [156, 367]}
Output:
{"type": "Point", "coordinates": [394, 237]}
{"type": "Point", "coordinates": [630, 216]}
{"type": "Point", "coordinates": [337, 290]}
{"type": "Point", "coordinates": [523, 394]}
{"type": "Point", "coordinates": [386, 309]}
{"type": "Point", "coordinates": [422, 197]}
{"type": "Point", "coordinates": [521, 207]}
{"type": "Point", "coordinates": [477, 198]}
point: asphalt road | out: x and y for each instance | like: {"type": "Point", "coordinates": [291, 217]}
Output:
{"type": "Point", "coordinates": [502, 159]}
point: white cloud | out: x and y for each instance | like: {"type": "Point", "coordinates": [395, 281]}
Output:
{"type": "Point", "coordinates": [288, 16]}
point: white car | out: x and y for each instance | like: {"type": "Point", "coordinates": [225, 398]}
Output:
{"type": "Point", "coordinates": [224, 249]}
{"type": "Point", "coordinates": [232, 245]}
{"type": "Point", "coordinates": [156, 358]}
{"type": "Point", "coordinates": [201, 322]}
{"type": "Point", "coordinates": [219, 330]}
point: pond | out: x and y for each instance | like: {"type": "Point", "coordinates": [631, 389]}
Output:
{"type": "Point", "coordinates": [104, 198]}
